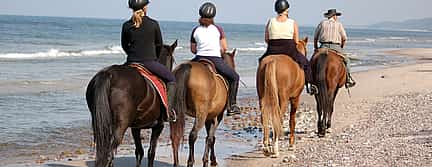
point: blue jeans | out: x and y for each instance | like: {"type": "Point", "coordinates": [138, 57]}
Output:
{"type": "Point", "coordinates": [221, 67]}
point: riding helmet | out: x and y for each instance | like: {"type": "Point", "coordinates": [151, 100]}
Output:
{"type": "Point", "coordinates": [281, 5]}
{"type": "Point", "coordinates": [137, 4]}
{"type": "Point", "coordinates": [207, 10]}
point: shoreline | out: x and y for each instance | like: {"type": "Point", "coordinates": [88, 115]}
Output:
{"type": "Point", "coordinates": [308, 102]}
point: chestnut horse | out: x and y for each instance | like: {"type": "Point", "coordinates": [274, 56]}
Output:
{"type": "Point", "coordinates": [329, 75]}
{"type": "Point", "coordinates": [202, 94]}
{"type": "Point", "coordinates": [118, 97]}
{"type": "Point", "coordinates": [280, 80]}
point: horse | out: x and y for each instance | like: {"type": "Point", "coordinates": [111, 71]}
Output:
{"type": "Point", "coordinates": [280, 80]}
{"type": "Point", "coordinates": [329, 75]}
{"type": "Point", "coordinates": [118, 97]}
{"type": "Point", "coordinates": [203, 94]}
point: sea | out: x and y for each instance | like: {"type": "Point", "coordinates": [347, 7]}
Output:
{"type": "Point", "coordinates": [46, 63]}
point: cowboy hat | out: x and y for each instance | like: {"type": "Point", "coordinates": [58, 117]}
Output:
{"type": "Point", "coordinates": [332, 12]}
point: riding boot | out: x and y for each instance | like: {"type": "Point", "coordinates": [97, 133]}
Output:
{"type": "Point", "coordinates": [310, 88]}
{"type": "Point", "coordinates": [349, 81]}
{"type": "Point", "coordinates": [171, 115]}
{"type": "Point", "coordinates": [232, 99]}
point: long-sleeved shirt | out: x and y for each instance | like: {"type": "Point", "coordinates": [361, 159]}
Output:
{"type": "Point", "coordinates": [143, 43]}
{"type": "Point", "coordinates": [330, 31]}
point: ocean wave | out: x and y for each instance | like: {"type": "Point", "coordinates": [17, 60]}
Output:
{"type": "Point", "coordinates": [53, 53]}
{"type": "Point", "coordinates": [252, 49]}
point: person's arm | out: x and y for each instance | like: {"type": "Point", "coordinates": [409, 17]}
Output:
{"type": "Point", "coordinates": [222, 40]}
{"type": "Point", "coordinates": [158, 40]}
{"type": "Point", "coordinates": [296, 33]}
{"type": "Point", "coordinates": [266, 34]}
{"type": "Point", "coordinates": [343, 36]}
{"type": "Point", "coordinates": [316, 36]}
{"type": "Point", "coordinates": [124, 39]}
{"type": "Point", "coordinates": [193, 43]}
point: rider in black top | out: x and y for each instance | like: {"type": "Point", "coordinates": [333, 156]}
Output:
{"type": "Point", "coordinates": [141, 39]}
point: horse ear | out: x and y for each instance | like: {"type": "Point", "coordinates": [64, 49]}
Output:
{"type": "Point", "coordinates": [234, 52]}
{"type": "Point", "coordinates": [174, 45]}
{"type": "Point", "coordinates": [306, 39]}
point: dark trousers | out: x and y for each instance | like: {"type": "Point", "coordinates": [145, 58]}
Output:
{"type": "Point", "coordinates": [221, 67]}
{"type": "Point", "coordinates": [158, 69]}
{"type": "Point", "coordinates": [288, 47]}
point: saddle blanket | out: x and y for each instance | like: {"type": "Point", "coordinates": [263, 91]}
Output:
{"type": "Point", "coordinates": [158, 84]}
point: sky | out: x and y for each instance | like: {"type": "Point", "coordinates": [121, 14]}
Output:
{"type": "Point", "coordinates": [305, 12]}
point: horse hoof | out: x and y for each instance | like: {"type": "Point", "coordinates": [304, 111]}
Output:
{"type": "Point", "coordinates": [213, 164]}
{"type": "Point", "coordinates": [329, 130]}
{"type": "Point", "coordinates": [291, 148]}
{"type": "Point", "coordinates": [275, 155]}
{"type": "Point", "coordinates": [321, 135]}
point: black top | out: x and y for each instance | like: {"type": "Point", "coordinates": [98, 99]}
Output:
{"type": "Point", "coordinates": [141, 44]}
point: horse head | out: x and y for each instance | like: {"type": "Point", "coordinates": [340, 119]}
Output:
{"type": "Point", "coordinates": [302, 46]}
{"type": "Point", "coordinates": [167, 55]}
{"type": "Point", "coordinates": [229, 58]}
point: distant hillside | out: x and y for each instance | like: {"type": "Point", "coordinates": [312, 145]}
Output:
{"type": "Point", "coordinates": [414, 24]}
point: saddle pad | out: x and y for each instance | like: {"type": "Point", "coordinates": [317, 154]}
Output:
{"type": "Point", "coordinates": [156, 82]}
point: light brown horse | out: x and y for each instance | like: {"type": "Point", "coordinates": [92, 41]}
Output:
{"type": "Point", "coordinates": [280, 81]}
{"type": "Point", "coordinates": [201, 94]}
{"type": "Point", "coordinates": [329, 75]}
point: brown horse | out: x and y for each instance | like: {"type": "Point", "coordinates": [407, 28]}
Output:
{"type": "Point", "coordinates": [280, 81]}
{"type": "Point", "coordinates": [118, 97]}
{"type": "Point", "coordinates": [329, 75]}
{"type": "Point", "coordinates": [202, 94]}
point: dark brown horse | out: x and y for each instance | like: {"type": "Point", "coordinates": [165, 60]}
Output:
{"type": "Point", "coordinates": [329, 75]}
{"type": "Point", "coordinates": [118, 97]}
{"type": "Point", "coordinates": [201, 94]}
{"type": "Point", "coordinates": [280, 81]}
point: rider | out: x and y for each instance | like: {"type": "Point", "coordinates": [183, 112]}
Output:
{"type": "Point", "coordinates": [208, 41]}
{"type": "Point", "coordinates": [141, 39]}
{"type": "Point", "coordinates": [281, 36]}
{"type": "Point", "coordinates": [331, 34]}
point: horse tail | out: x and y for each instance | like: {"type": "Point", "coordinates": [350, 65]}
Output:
{"type": "Point", "coordinates": [181, 73]}
{"type": "Point", "coordinates": [323, 95]}
{"type": "Point", "coordinates": [270, 102]}
{"type": "Point", "coordinates": [97, 96]}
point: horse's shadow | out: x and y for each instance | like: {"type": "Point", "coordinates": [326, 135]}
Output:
{"type": "Point", "coordinates": [120, 161]}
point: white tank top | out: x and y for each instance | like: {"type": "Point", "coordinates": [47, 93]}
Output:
{"type": "Point", "coordinates": [281, 30]}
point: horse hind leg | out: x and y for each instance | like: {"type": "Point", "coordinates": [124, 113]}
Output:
{"type": "Point", "coordinates": [329, 130]}
{"type": "Point", "coordinates": [292, 124]}
{"type": "Point", "coordinates": [266, 134]}
{"type": "Point", "coordinates": [156, 131]}
{"type": "Point", "coordinates": [139, 151]}
{"type": "Point", "coordinates": [198, 125]}
{"type": "Point", "coordinates": [211, 127]}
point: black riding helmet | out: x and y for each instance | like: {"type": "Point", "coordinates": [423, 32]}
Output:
{"type": "Point", "coordinates": [207, 10]}
{"type": "Point", "coordinates": [281, 5]}
{"type": "Point", "coordinates": [137, 4]}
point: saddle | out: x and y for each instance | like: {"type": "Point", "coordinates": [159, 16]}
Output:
{"type": "Point", "coordinates": [326, 50]}
{"type": "Point", "coordinates": [212, 67]}
{"type": "Point", "coordinates": [157, 83]}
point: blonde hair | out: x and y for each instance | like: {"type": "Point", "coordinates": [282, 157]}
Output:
{"type": "Point", "coordinates": [137, 17]}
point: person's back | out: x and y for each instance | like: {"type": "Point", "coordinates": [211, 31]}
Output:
{"type": "Point", "coordinates": [281, 30]}
{"type": "Point", "coordinates": [207, 39]}
{"type": "Point", "coordinates": [143, 43]}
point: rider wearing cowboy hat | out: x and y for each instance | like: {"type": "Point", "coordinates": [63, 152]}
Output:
{"type": "Point", "coordinates": [331, 34]}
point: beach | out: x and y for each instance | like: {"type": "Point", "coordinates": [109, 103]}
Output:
{"type": "Point", "coordinates": [383, 123]}
{"type": "Point", "coordinates": [45, 120]}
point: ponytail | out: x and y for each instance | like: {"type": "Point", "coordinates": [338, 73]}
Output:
{"type": "Point", "coordinates": [137, 18]}
{"type": "Point", "coordinates": [206, 21]}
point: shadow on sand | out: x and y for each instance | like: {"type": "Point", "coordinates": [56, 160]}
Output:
{"type": "Point", "coordinates": [119, 161]}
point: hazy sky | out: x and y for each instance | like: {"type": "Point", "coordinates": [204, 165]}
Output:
{"type": "Point", "coordinates": [305, 12]}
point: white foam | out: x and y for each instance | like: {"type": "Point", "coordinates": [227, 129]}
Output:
{"type": "Point", "coordinates": [53, 53]}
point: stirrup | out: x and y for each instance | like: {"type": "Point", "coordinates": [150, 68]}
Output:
{"type": "Point", "coordinates": [172, 118]}
{"type": "Point", "coordinates": [350, 84]}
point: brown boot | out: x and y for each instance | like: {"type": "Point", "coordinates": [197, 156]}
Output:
{"type": "Point", "coordinates": [171, 115]}
{"type": "Point", "coordinates": [232, 108]}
